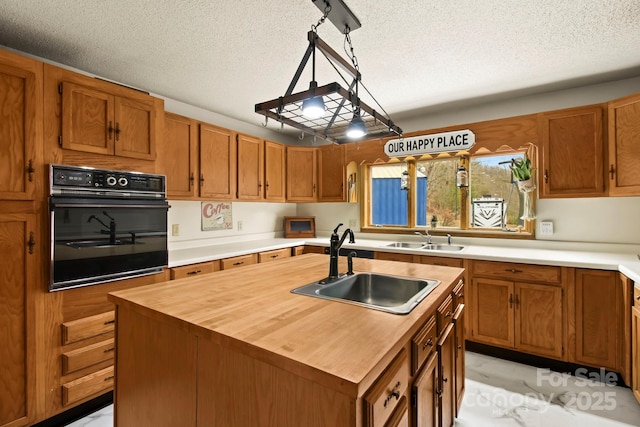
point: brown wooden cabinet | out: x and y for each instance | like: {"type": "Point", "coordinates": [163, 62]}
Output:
{"type": "Point", "coordinates": [635, 345]}
{"type": "Point", "coordinates": [624, 146]}
{"type": "Point", "coordinates": [274, 255]}
{"type": "Point", "coordinates": [17, 352]}
{"type": "Point", "coordinates": [383, 397]}
{"type": "Point", "coordinates": [194, 269]}
{"type": "Point", "coordinates": [238, 261]}
{"type": "Point", "coordinates": [217, 162]}
{"type": "Point", "coordinates": [275, 172]}
{"type": "Point", "coordinates": [95, 120]}
{"type": "Point", "coordinates": [595, 303]}
{"type": "Point", "coordinates": [302, 174]}
{"type": "Point", "coordinates": [250, 168]}
{"type": "Point", "coordinates": [425, 398]}
{"type": "Point", "coordinates": [446, 373]}
{"type": "Point", "coordinates": [180, 155]}
{"type": "Point", "coordinates": [331, 173]}
{"type": "Point", "coordinates": [520, 315]}
{"type": "Point", "coordinates": [20, 126]}
{"type": "Point", "coordinates": [573, 152]}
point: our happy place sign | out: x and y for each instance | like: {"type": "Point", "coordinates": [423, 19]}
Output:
{"type": "Point", "coordinates": [431, 144]}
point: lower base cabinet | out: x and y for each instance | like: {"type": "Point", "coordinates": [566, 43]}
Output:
{"type": "Point", "coordinates": [635, 346]}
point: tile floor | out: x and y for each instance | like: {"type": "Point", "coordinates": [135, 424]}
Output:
{"type": "Point", "coordinates": [502, 393]}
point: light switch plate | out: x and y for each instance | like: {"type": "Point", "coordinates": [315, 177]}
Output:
{"type": "Point", "coordinates": [546, 228]}
{"type": "Point", "coordinates": [175, 229]}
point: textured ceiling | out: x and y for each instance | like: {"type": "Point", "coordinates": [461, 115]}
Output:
{"type": "Point", "coordinates": [414, 55]}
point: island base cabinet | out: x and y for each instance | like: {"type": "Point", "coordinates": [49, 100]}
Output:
{"type": "Point", "coordinates": [155, 371]}
{"type": "Point", "coordinates": [425, 395]}
{"type": "Point", "coordinates": [235, 390]}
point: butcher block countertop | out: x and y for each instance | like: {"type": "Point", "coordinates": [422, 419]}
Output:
{"type": "Point", "coordinates": [252, 311]}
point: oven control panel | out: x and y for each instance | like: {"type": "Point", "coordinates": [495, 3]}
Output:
{"type": "Point", "coordinates": [90, 179]}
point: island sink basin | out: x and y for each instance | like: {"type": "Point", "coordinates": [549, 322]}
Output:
{"type": "Point", "coordinates": [393, 294]}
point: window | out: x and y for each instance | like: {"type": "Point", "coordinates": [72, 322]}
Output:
{"type": "Point", "coordinates": [424, 194]}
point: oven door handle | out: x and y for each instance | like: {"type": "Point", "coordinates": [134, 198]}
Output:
{"type": "Point", "coordinates": [108, 205]}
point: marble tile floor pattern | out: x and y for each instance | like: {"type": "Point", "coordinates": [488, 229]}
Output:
{"type": "Point", "coordinates": [503, 393]}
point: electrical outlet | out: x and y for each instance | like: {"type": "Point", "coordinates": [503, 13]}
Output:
{"type": "Point", "coordinates": [175, 229]}
{"type": "Point", "coordinates": [546, 228]}
{"type": "Point", "coordinates": [352, 223]}
{"type": "Point", "coordinates": [239, 225]}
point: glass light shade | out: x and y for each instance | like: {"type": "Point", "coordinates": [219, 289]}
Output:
{"type": "Point", "coordinates": [313, 108]}
{"type": "Point", "coordinates": [356, 128]}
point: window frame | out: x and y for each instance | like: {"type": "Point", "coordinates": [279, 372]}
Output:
{"type": "Point", "coordinates": [527, 232]}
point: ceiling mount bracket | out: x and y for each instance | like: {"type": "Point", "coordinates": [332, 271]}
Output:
{"type": "Point", "coordinates": [341, 16]}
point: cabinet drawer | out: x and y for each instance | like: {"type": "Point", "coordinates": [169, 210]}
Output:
{"type": "Point", "coordinates": [86, 386]}
{"type": "Point", "coordinates": [238, 261]}
{"type": "Point", "coordinates": [517, 272]}
{"type": "Point", "coordinates": [81, 358]}
{"type": "Point", "coordinates": [274, 255]}
{"type": "Point", "coordinates": [400, 417]}
{"type": "Point", "coordinates": [458, 294]}
{"type": "Point", "coordinates": [87, 327]}
{"type": "Point", "coordinates": [423, 344]}
{"type": "Point", "coordinates": [383, 397]}
{"type": "Point", "coordinates": [194, 269]}
{"type": "Point", "coordinates": [441, 260]}
{"type": "Point", "coordinates": [444, 314]}
{"type": "Point", "coordinates": [636, 296]}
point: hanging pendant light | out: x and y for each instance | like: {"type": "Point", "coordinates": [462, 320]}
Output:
{"type": "Point", "coordinates": [356, 128]}
{"type": "Point", "coordinates": [313, 108]}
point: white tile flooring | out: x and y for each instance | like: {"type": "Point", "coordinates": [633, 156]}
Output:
{"type": "Point", "coordinates": [502, 393]}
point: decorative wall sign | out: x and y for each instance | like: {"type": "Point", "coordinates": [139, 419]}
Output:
{"type": "Point", "coordinates": [216, 216]}
{"type": "Point", "coordinates": [445, 142]}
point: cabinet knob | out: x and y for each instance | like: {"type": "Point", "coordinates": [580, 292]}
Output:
{"type": "Point", "coordinates": [612, 171]}
{"type": "Point", "coordinates": [429, 343]}
{"type": "Point", "coordinates": [546, 176]}
{"type": "Point", "coordinates": [394, 393]}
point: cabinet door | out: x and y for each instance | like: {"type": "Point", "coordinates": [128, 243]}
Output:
{"type": "Point", "coordinates": [446, 371]}
{"type": "Point", "coordinates": [458, 322]}
{"type": "Point", "coordinates": [301, 174]}
{"type": "Point", "coordinates": [331, 173]}
{"type": "Point", "coordinates": [492, 321]}
{"type": "Point", "coordinates": [20, 124]}
{"type": "Point", "coordinates": [217, 163]}
{"type": "Point", "coordinates": [635, 351]}
{"type": "Point", "coordinates": [596, 313]}
{"type": "Point", "coordinates": [250, 167]}
{"type": "Point", "coordinates": [88, 122]}
{"type": "Point", "coordinates": [135, 129]}
{"type": "Point", "coordinates": [573, 153]}
{"type": "Point", "coordinates": [426, 395]}
{"type": "Point", "coordinates": [180, 154]}
{"type": "Point", "coordinates": [539, 320]}
{"type": "Point", "coordinates": [16, 352]}
{"type": "Point", "coordinates": [624, 146]}
{"type": "Point", "coordinates": [274, 172]}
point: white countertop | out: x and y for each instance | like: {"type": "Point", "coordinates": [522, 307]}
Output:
{"type": "Point", "coordinates": [626, 263]}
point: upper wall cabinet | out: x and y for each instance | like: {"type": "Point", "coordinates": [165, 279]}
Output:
{"type": "Point", "coordinates": [180, 155]}
{"type": "Point", "coordinates": [624, 146]}
{"type": "Point", "coordinates": [250, 167]}
{"type": "Point", "coordinates": [302, 174]}
{"type": "Point", "coordinates": [274, 172]}
{"type": "Point", "coordinates": [331, 167]}
{"type": "Point", "coordinates": [573, 153]}
{"type": "Point", "coordinates": [98, 117]}
{"type": "Point", "coordinates": [20, 125]}
{"type": "Point", "coordinates": [218, 150]}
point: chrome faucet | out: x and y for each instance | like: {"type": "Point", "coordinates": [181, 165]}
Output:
{"type": "Point", "coordinates": [448, 239]}
{"type": "Point", "coordinates": [334, 249]}
{"type": "Point", "coordinates": [426, 236]}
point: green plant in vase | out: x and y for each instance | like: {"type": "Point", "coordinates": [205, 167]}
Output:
{"type": "Point", "coordinates": [523, 172]}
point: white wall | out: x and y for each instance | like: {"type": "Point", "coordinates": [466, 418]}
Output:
{"type": "Point", "coordinates": [259, 221]}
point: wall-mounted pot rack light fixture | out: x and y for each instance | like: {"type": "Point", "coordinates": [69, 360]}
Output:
{"type": "Point", "coordinates": [331, 112]}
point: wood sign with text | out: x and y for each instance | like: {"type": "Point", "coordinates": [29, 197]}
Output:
{"type": "Point", "coordinates": [460, 140]}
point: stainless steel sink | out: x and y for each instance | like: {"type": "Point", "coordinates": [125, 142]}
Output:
{"type": "Point", "coordinates": [439, 247]}
{"type": "Point", "coordinates": [393, 294]}
{"type": "Point", "coordinates": [405, 245]}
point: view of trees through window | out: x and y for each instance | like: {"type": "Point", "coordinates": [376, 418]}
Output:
{"type": "Point", "coordinates": [494, 199]}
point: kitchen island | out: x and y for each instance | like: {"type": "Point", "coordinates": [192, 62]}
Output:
{"type": "Point", "coordinates": [237, 348]}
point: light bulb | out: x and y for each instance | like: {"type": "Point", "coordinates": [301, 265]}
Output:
{"type": "Point", "coordinates": [313, 108]}
{"type": "Point", "coordinates": [356, 128]}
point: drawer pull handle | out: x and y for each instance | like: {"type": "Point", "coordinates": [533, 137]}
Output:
{"type": "Point", "coordinates": [238, 263]}
{"type": "Point", "coordinates": [459, 346]}
{"type": "Point", "coordinates": [394, 393]}
{"type": "Point", "coordinates": [513, 270]}
{"type": "Point", "coordinates": [109, 322]}
{"type": "Point", "coordinates": [461, 296]}
{"type": "Point", "coordinates": [510, 300]}
{"type": "Point", "coordinates": [444, 380]}
{"type": "Point", "coordinates": [274, 256]}
{"type": "Point", "coordinates": [109, 350]}
{"type": "Point", "coordinates": [449, 314]}
{"type": "Point", "coordinates": [194, 272]}
{"type": "Point", "coordinates": [638, 298]}
{"type": "Point", "coordinates": [429, 343]}
{"type": "Point", "coordinates": [109, 378]}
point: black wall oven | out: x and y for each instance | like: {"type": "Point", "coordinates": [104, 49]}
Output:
{"type": "Point", "coordinates": [105, 225]}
